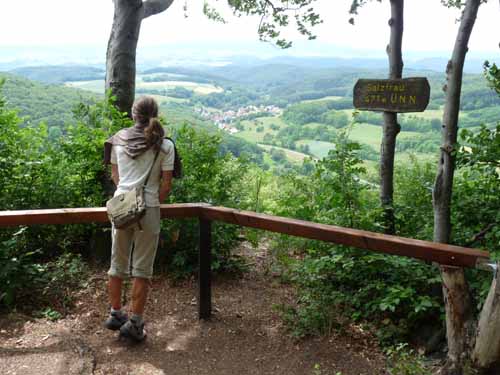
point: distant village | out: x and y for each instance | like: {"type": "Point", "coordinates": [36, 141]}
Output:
{"type": "Point", "coordinates": [226, 120]}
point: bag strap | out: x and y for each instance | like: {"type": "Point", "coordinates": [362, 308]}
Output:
{"type": "Point", "coordinates": [151, 168]}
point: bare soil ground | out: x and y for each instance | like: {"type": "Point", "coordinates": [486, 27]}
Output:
{"type": "Point", "coordinates": [244, 336]}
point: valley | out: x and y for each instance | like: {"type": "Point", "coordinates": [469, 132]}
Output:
{"type": "Point", "coordinates": [287, 110]}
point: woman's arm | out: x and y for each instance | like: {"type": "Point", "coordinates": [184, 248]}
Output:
{"type": "Point", "coordinates": [114, 174]}
{"type": "Point", "coordinates": [166, 185]}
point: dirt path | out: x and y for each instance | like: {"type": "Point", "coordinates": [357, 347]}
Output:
{"type": "Point", "coordinates": [245, 336]}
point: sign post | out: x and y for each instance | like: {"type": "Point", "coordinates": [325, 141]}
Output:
{"type": "Point", "coordinates": [392, 95]}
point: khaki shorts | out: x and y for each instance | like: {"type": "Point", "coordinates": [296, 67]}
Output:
{"type": "Point", "coordinates": [144, 244]}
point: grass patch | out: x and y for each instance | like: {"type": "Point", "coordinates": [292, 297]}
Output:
{"type": "Point", "coordinates": [319, 149]}
{"type": "Point", "coordinates": [372, 134]}
{"type": "Point", "coordinates": [252, 135]}
{"type": "Point", "coordinates": [161, 99]}
{"type": "Point", "coordinates": [430, 114]}
{"type": "Point", "coordinates": [94, 86]}
{"type": "Point", "coordinates": [291, 155]}
{"type": "Point", "coordinates": [323, 99]}
{"type": "Point", "coordinates": [199, 88]}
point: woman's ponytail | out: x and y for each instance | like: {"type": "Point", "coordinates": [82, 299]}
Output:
{"type": "Point", "coordinates": [154, 133]}
{"type": "Point", "coordinates": [145, 113]}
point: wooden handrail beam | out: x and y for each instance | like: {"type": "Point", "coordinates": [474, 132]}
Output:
{"type": "Point", "coordinates": [424, 250]}
{"type": "Point", "coordinates": [88, 215]}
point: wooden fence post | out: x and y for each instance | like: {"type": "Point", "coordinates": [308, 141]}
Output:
{"type": "Point", "coordinates": [204, 276]}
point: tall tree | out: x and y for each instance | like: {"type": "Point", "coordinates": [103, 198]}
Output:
{"type": "Point", "coordinates": [122, 46]}
{"type": "Point", "coordinates": [457, 300]}
{"type": "Point", "coordinates": [391, 127]}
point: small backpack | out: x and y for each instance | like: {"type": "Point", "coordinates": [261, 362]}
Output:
{"type": "Point", "coordinates": [177, 172]}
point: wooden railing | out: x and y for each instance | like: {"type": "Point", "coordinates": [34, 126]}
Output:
{"type": "Point", "coordinates": [443, 254]}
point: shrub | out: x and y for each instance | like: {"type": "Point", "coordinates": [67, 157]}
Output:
{"type": "Point", "coordinates": [210, 178]}
{"type": "Point", "coordinates": [395, 293]}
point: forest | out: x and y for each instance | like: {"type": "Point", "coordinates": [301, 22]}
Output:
{"type": "Point", "coordinates": [279, 138]}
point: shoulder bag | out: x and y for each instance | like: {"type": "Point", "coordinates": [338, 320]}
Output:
{"type": "Point", "coordinates": [128, 208]}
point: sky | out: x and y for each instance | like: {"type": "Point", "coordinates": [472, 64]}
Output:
{"type": "Point", "coordinates": [429, 26]}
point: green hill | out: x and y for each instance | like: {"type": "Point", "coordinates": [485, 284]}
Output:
{"type": "Point", "coordinates": [60, 73]}
{"type": "Point", "coordinates": [40, 102]}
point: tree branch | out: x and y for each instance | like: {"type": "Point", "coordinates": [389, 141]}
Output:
{"type": "Point", "coordinates": [481, 234]}
{"type": "Point", "coordinates": [152, 7]}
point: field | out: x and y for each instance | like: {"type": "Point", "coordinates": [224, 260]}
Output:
{"type": "Point", "coordinates": [322, 99]}
{"type": "Point", "coordinates": [252, 135]}
{"type": "Point", "coordinates": [363, 133]}
{"type": "Point", "coordinates": [372, 134]}
{"type": "Point", "coordinates": [198, 88]}
{"type": "Point", "coordinates": [161, 99]}
{"type": "Point", "coordinates": [291, 155]}
{"type": "Point", "coordinates": [94, 86]}
{"type": "Point", "coordinates": [430, 114]}
{"type": "Point", "coordinates": [319, 149]}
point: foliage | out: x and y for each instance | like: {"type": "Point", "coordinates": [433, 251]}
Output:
{"type": "Point", "coordinates": [37, 172]}
{"type": "Point", "coordinates": [24, 279]}
{"type": "Point", "coordinates": [355, 5]}
{"type": "Point", "coordinates": [426, 143]}
{"type": "Point", "coordinates": [492, 74]}
{"type": "Point", "coordinates": [275, 14]}
{"type": "Point", "coordinates": [478, 162]}
{"type": "Point", "coordinates": [212, 13]}
{"type": "Point", "coordinates": [240, 148]}
{"type": "Point", "coordinates": [228, 99]}
{"type": "Point", "coordinates": [413, 199]}
{"type": "Point", "coordinates": [17, 271]}
{"type": "Point", "coordinates": [404, 361]}
{"type": "Point", "coordinates": [60, 277]}
{"type": "Point", "coordinates": [397, 294]}
{"type": "Point", "coordinates": [318, 111]}
{"type": "Point", "coordinates": [210, 178]}
{"type": "Point", "coordinates": [38, 102]}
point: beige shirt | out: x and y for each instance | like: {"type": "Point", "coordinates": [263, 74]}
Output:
{"type": "Point", "coordinates": [133, 172]}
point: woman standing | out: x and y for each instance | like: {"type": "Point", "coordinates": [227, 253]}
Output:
{"type": "Point", "coordinates": [134, 154]}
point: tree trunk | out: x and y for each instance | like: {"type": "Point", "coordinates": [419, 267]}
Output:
{"type": "Point", "coordinates": [456, 292]}
{"type": "Point", "coordinates": [120, 56]}
{"type": "Point", "coordinates": [459, 322]}
{"type": "Point", "coordinates": [391, 126]}
{"type": "Point", "coordinates": [122, 46]}
{"type": "Point", "coordinates": [487, 349]}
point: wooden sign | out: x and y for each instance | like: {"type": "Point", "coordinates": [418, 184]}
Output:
{"type": "Point", "coordinates": [392, 95]}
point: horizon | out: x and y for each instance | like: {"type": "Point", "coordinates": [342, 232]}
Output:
{"type": "Point", "coordinates": [40, 36]}
{"type": "Point", "coordinates": [199, 54]}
